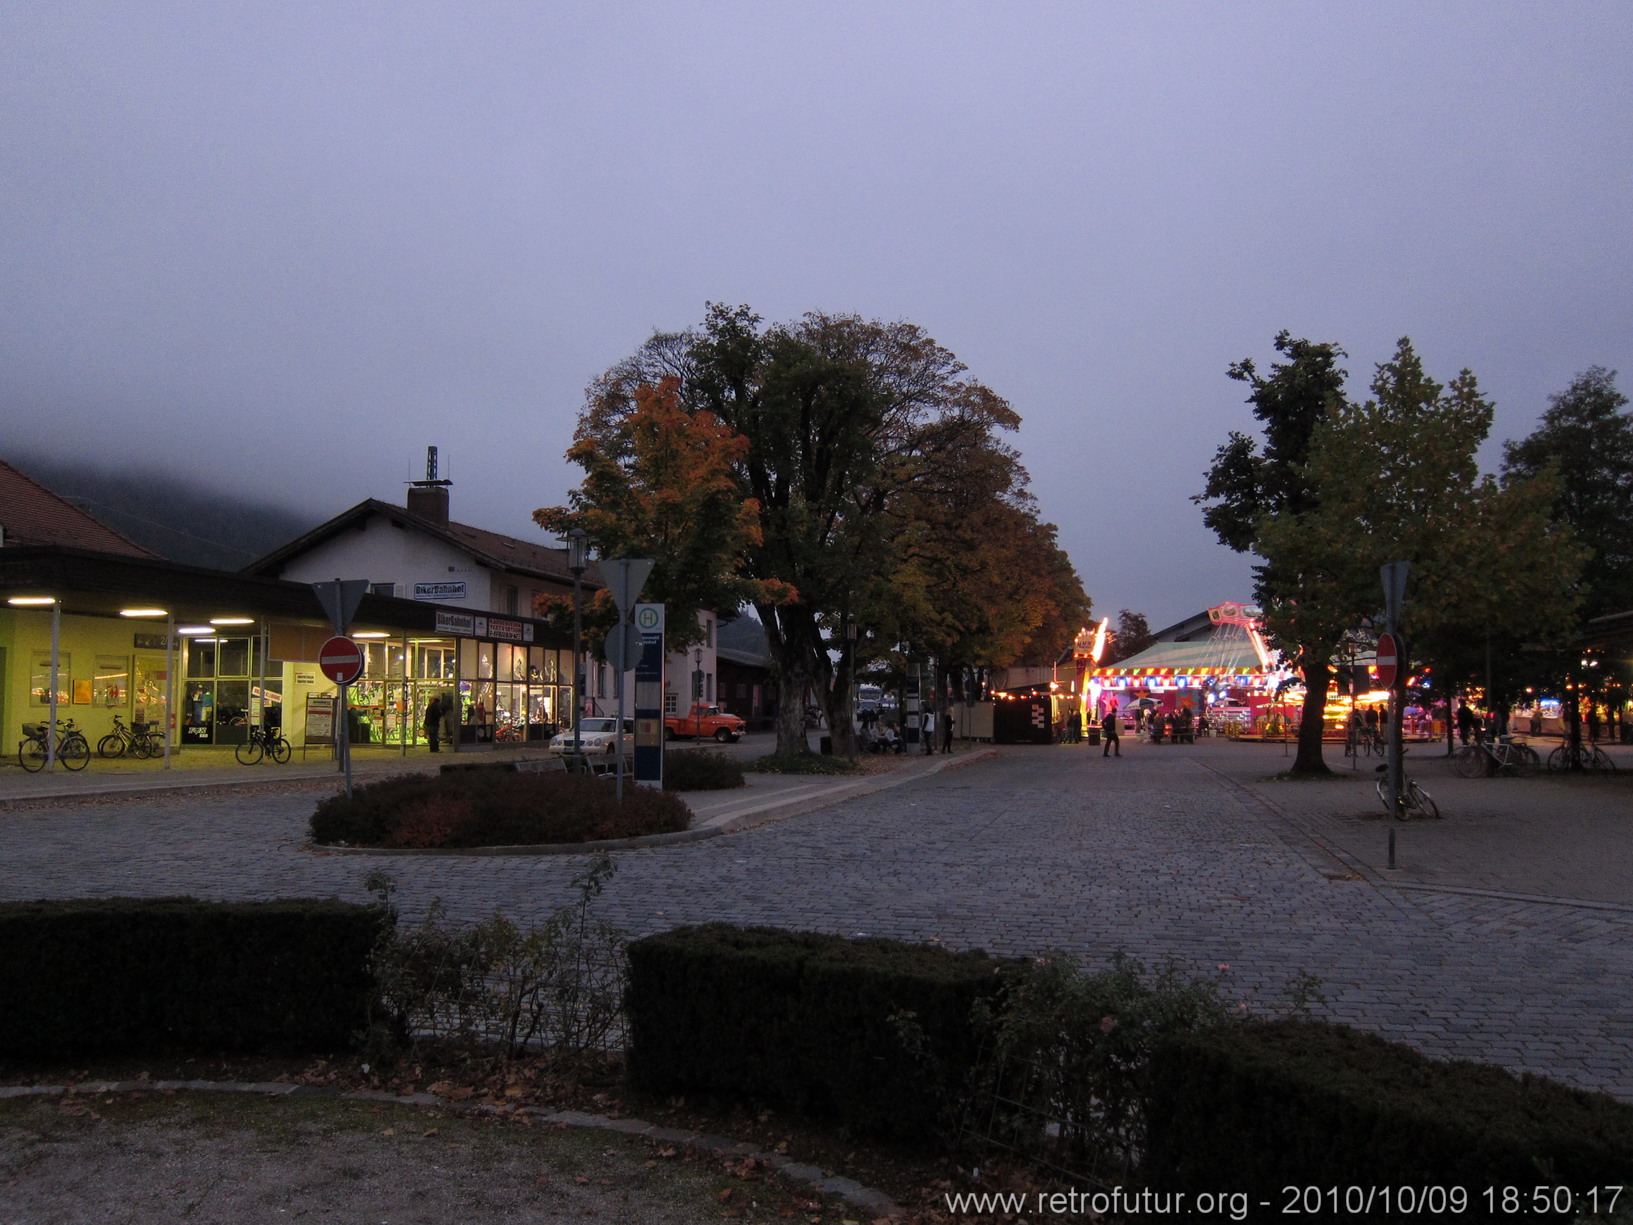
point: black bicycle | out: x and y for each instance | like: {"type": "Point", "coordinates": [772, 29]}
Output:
{"type": "Point", "coordinates": [263, 742]}
{"type": "Point", "coordinates": [73, 751]}
{"type": "Point", "coordinates": [1415, 801]}
{"type": "Point", "coordinates": [138, 740]}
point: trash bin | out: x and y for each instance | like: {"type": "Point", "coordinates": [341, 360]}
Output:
{"type": "Point", "coordinates": [1094, 735]}
{"type": "Point", "coordinates": [826, 746]}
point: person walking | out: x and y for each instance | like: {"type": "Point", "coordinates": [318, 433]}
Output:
{"type": "Point", "coordinates": [947, 732]}
{"type": "Point", "coordinates": [1465, 721]}
{"type": "Point", "coordinates": [433, 721]}
{"type": "Point", "coordinates": [1108, 734]}
{"type": "Point", "coordinates": [929, 736]}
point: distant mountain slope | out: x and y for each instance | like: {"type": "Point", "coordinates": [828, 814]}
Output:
{"type": "Point", "coordinates": [179, 520]}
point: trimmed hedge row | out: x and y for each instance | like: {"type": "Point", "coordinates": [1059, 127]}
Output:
{"type": "Point", "coordinates": [701, 770]}
{"type": "Point", "coordinates": [493, 807]}
{"type": "Point", "coordinates": [1262, 1107]}
{"type": "Point", "coordinates": [133, 976]}
{"type": "Point", "coordinates": [806, 1021]}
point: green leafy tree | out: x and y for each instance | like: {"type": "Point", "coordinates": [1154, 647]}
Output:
{"type": "Point", "coordinates": [1132, 635]}
{"type": "Point", "coordinates": [1586, 439]}
{"type": "Point", "coordinates": [1251, 486]}
{"type": "Point", "coordinates": [1397, 479]}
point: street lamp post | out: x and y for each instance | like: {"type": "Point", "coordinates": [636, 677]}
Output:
{"type": "Point", "coordinates": [578, 548]}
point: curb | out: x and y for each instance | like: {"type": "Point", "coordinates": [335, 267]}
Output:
{"type": "Point", "coordinates": [848, 1189]}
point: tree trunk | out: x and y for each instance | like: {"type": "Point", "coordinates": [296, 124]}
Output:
{"type": "Point", "coordinates": [1311, 726]}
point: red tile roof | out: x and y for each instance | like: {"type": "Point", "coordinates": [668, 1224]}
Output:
{"type": "Point", "coordinates": [30, 514]}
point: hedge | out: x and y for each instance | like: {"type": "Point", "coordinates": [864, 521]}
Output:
{"type": "Point", "coordinates": [1262, 1107]}
{"type": "Point", "coordinates": [493, 807]}
{"type": "Point", "coordinates": [129, 975]}
{"type": "Point", "coordinates": [805, 1021]}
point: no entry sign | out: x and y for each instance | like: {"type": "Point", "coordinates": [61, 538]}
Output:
{"type": "Point", "coordinates": [341, 660]}
{"type": "Point", "coordinates": [1389, 660]}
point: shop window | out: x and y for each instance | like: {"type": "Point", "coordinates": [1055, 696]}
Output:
{"type": "Point", "coordinates": [152, 675]}
{"type": "Point", "coordinates": [233, 657]}
{"type": "Point", "coordinates": [111, 683]}
{"type": "Point", "coordinates": [435, 661]}
{"type": "Point", "coordinates": [200, 657]}
{"type": "Point", "coordinates": [39, 680]}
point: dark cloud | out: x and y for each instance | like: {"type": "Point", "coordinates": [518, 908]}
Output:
{"type": "Point", "coordinates": [288, 246]}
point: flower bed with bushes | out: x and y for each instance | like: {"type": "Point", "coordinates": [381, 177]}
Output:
{"type": "Point", "coordinates": [493, 808]}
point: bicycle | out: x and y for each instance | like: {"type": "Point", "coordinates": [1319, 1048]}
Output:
{"type": "Point", "coordinates": [1414, 799]}
{"type": "Point", "coordinates": [1507, 757]}
{"type": "Point", "coordinates": [1583, 756]}
{"type": "Point", "coordinates": [73, 751]}
{"type": "Point", "coordinates": [137, 739]}
{"type": "Point", "coordinates": [263, 742]}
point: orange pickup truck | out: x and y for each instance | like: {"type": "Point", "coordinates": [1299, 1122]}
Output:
{"type": "Point", "coordinates": [704, 720]}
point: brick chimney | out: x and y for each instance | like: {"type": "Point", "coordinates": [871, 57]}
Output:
{"type": "Point", "coordinates": [429, 498]}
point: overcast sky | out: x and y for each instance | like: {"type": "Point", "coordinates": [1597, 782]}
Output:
{"type": "Point", "coordinates": [285, 246]}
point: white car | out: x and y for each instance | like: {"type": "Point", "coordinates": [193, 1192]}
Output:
{"type": "Point", "coordinates": [595, 736]}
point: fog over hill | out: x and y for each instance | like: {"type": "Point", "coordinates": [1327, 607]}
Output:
{"type": "Point", "coordinates": [184, 521]}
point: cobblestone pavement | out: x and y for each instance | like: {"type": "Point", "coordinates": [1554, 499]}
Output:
{"type": "Point", "coordinates": [1167, 853]}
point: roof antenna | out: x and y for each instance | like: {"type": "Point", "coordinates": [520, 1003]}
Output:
{"type": "Point", "coordinates": [430, 470]}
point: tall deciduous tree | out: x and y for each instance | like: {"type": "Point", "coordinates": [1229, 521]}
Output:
{"type": "Point", "coordinates": [1397, 479]}
{"type": "Point", "coordinates": [1132, 635]}
{"type": "Point", "coordinates": [660, 482]}
{"type": "Point", "coordinates": [1586, 437]}
{"type": "Point", "coordinates": [853, 429]}
{"type": "Point", "coordinates": [1249, 487]}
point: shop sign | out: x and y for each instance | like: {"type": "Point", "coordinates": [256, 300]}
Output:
{"type": "Point", "coordinates": [439, 591]}
{"type": "Point", "coordinates": [500, 627]}
{"type": "Point", "coordinates": [151, 642]}
{"type": "Point", "coordinates": [456, 623]}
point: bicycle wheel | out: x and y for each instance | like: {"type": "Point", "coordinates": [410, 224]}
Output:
{"type": "Point", "coordinates": [278, 749]}
{"type": "Point", "coordinates": [248, 753]}
{"type": "Point", "coordinates": [111, 745]}
{"type": "Point", "coordinates": [74, 752]}
{"type": "Point", "coordinates": [1421, 800]}
{"type": "Point", "coordinates": [31, 755]}
{"type": "Point", "coordinates": [1470, 761]}
{"type": "Point", "coordinates": [1383, 794]}
{"type": "Point", "coordinates": [1601, 760]}
{"type": "Point", "coordinates": [1526, 762]}
{"type": "Point", "coordinates": [1559, 760]}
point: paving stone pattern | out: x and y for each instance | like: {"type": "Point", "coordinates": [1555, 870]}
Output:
{"type": "Point", "coordinates": [1159, 854]}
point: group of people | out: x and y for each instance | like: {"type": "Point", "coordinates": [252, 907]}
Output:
{"type": "Point", "coordinates": [1153, 725]}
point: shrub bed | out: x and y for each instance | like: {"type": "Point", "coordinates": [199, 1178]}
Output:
{"type": "Point", "coordinates": [875, 1033]}
{"type": "Point", "coordinates": [1263, 1107]}
{"type": "Point", "coordinates": [493, 808]}
{"type": "Point", "coordinates": [138, 975]}
{"type": "Point", "coordinates": [701, 770]}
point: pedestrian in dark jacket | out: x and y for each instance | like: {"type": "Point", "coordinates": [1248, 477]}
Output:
{"type": "Point", "coordinates": [433, 721]}
{"type": "Point", "coordinates": [1108, 734]}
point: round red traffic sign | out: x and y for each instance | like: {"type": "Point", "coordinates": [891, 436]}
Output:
{"type": "Point", "coordinates": [341, 660]}
{"type": "Point", "coordinates": [1389, 660]}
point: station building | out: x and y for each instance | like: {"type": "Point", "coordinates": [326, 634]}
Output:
{"type": "Point", "coordinates": [96, 627]}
